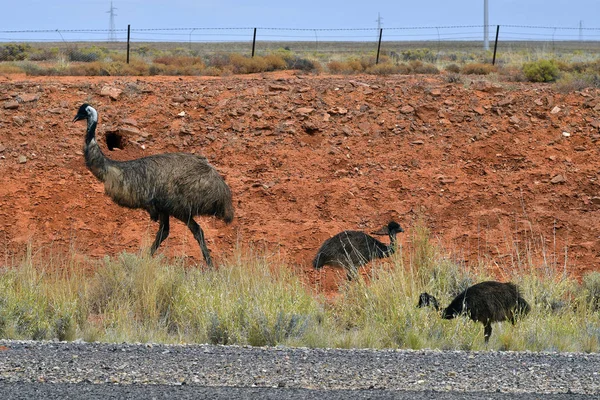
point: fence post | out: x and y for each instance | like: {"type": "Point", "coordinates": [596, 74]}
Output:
{"type": "Point", "coordinates": [128, 36]}
{"type": "Point", "coordinates": [495, 45]}
{"type": "Point", "coordinates": [379, 46]}
{"type": "Point", "coordinates": [254, 42]}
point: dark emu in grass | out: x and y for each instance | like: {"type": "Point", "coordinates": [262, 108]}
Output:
{"type": "Point", "coordinates": [353, 249]}
{"type": "Point", "coordinates": [484, 302]}
{"type": "Point", "coordinates": [173, 184]}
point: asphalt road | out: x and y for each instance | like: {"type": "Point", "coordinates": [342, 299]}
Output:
{"type": "Point", "coordinates": [57, 370]}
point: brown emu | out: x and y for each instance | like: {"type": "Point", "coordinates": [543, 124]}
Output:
{"type": "Point", "coordinates": [353, 249]}
{"type": "Point", "coordinates": [173, 184]}
{"type": "Point", "coordinates": [484, 302]}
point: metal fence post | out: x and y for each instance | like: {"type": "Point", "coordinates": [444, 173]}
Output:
{"type": "Point", "coordinates": [128, 36]}
{"type": "Point", "coordinates": [254, 42]}
{"type": "Point", "coordinates": [379, 46]}
{"type": "Point", "coordinates": [495, 44]}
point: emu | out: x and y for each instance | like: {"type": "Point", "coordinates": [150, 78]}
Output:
{"type": "Point", "coordinates": [484, 302]}
{"type": "Point", "coordinates": [181, 185]}
{"type": "Point", "coordinates": [353, 249]}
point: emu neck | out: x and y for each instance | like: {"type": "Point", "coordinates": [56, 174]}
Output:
{"type": "Point", "coordinates": [95, 160]}
{"type": "Point", "coordinates": [392, 247]}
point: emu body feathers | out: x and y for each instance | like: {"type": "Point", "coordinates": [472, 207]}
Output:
{"type": "Point", "coordinates": [352, 249]}
{"type": "Point", "coordinates": [181, 185]}
{"type": "Point", "coordinates": [484, 302]}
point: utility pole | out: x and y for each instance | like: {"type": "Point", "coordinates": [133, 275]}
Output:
{"type": "Point", "coordinates": [111, 34]}
{"type": "Point", "coordinates": [581, 31]}
{"type": "Point", "coordinates": [486, 22]}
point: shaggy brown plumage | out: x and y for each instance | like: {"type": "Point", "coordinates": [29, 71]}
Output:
{"type": "Point", "coordinates": [181, 185]}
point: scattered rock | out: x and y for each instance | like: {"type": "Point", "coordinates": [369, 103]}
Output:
{"type": "Point", "coordinates": [339, 111]}
{"type": "Point", "coordinates": [506, 101]}
{"type": "Point", "coordinates": [558, 179]}
{"type": "Point", "coordinates": [11, 105]}
{"type": "Point", "coordinates": [129, 130]}
{"type": "Point", "coordinates": [566, 134]}
{"type": "Point", "coordinates": [111, 92]}
{"type": "Point", "coordinates": [237, 126]}
{"type": "Point", "coordinates": [2, 148]}
{"type": "Point", "coordinates": [446, 179]}
{"type": "Point", "coordinates": [479, 110]}
{"type": "Point", "coordinates": [178, 99]}
{"type": "Point", "coordinates": [278, 88]}
{"type": "Point", "coordinates": [304, 110]}
{"type": "Point", "coordinates": [129, 121]}
{"type": "Point", "coordinates": [485, 86]}
{"type": "Point", "coordinates": [27, 97]}
{"type": "Point", "coordinates": [555, 110]}
{"type": "Point", "coordinates": [22, 159]}
{"type": "Point", "coordinates": [407, 110]}
{"type": "Point", "coordinates": [310, 127]}
{"type": "Point", "coordinates": [181, 114]}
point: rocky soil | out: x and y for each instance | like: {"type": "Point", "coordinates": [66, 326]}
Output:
{"type": "Point", "coordinates": [497, 171]}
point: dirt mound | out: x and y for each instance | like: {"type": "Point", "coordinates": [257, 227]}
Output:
{"type": "Point", "coordinates": [498, 171]}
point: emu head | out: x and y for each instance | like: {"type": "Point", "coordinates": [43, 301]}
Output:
{"type": "Point", "coordinates": [84, 112]}
{"type": "Point", "coordinates": [391, 228]}
{"type": "Point", "coordinates": [394, 227]}
{"type": "Point", "coordinates": [427, 300]}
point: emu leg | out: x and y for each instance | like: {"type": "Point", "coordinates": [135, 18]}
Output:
{"type": "Point", "coordinates": [351, 273]}
{"type": "Point", "coordinates": [199, 236]}
{"type": "Point", "coordinates": [163, 232]}
{"type": "Point", "coordinates": [487, 331]}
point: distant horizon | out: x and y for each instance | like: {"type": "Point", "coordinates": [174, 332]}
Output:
{"type": "Point", "coordinates": [56, 18]}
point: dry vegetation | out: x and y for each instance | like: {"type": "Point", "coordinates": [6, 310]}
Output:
{"type": "Point", "coordinates": [253, 299]}
{"type": "Point", "coordinates": [571, 67]}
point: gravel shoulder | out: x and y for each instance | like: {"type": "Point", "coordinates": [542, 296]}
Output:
{"type": "Point", "coordinates": [299, 368]}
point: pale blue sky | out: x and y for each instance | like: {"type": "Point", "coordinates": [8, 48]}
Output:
{"type": "Point", "coordinates": [73, 14]}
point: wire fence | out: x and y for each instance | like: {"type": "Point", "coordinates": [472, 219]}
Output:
{"type": "Point", "coordinates": [452, 43]}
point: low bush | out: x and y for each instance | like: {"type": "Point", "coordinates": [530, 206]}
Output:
{"type": "Point", "coordinates": [541, 71]}
{"type": "Point", "coordinates": [478, 69]}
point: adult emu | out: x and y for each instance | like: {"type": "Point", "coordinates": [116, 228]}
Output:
{"type": "Point", "coordinates": [484, 302]}
{"type": "Point", "coordinates": [173, 184]}
{"type": "Point", "coordinates": [353, 249]}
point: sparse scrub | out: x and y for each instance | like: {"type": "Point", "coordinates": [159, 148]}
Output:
{"type": "Point", "coordinates": [418, 67]}
{"type": "Point", "coordinates": [478, 69]}
{"type": "Point", "coordinates": [384, 69]}
{"type": "Point", "coordinates": [254, 299]}
{"type": "Point", "coordinates": [541, 71]}
{"type": "Point", "coordinates": [452, 68]}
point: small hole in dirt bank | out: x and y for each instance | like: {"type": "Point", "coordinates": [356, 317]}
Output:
{"type": "Point", "coordinates": [114, 141]}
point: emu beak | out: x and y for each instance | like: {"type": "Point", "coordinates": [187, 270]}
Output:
{"type": "Point", "coordinates": [78, 117]}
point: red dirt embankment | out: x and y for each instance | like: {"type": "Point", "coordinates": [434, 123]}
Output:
{"type": "Point", "coordinates": [496, 170]}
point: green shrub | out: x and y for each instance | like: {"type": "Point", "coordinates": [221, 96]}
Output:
{"type": "Point", "coordinates": [418, 67]}
{"type": "Point", "coordinates": [384, 69]}
{"type": "Point", "coordinates": [14, 51]}
{"type": "Point", "coordinates": [541, 71]}
{"type": "Point", "coordinates": [303, 64]}
{"type": "Point", "coordinates": [418, 54]}
{"type": "Point", "coordinates": [452, 68]}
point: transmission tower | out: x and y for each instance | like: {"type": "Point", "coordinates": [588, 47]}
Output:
{"type": "Point", "coordinates": [379, 22]}
{"type": "Point", "coordinates": [111, 33]}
